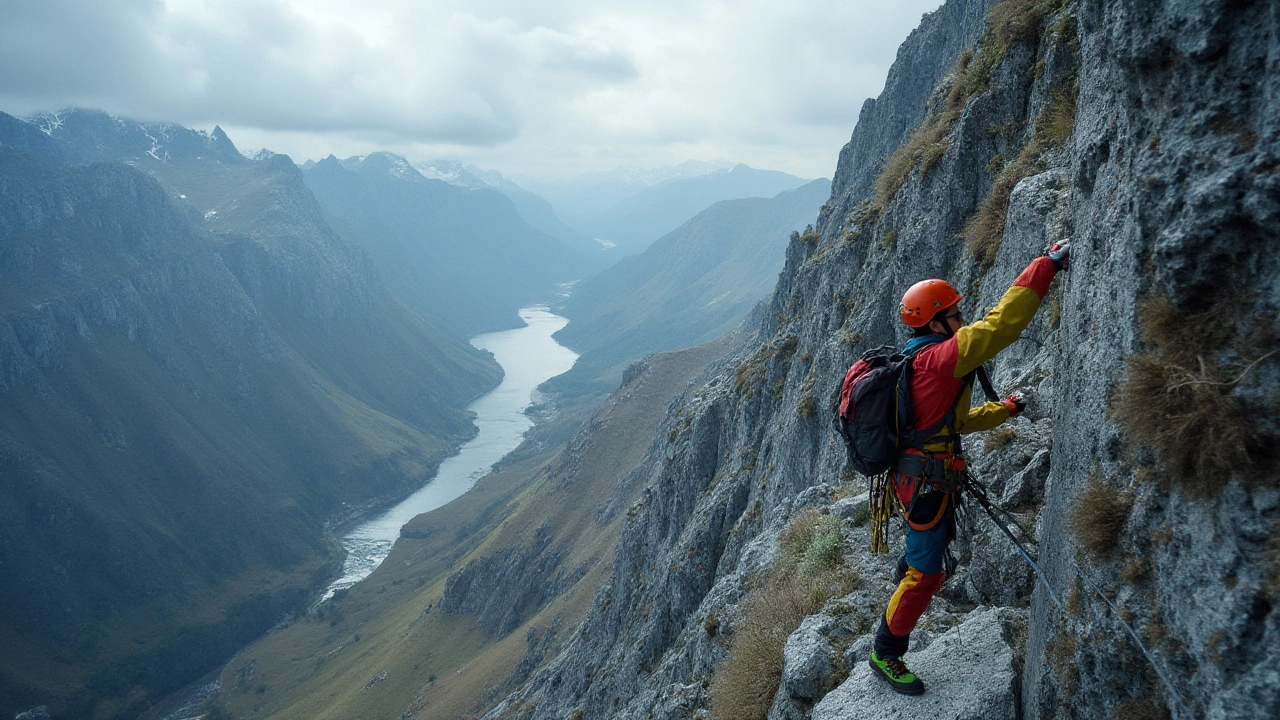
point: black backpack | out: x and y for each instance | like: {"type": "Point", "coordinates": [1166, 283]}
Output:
{"type": "Point", "coordinates": [874, 405]}
{"type": "Point", "coordinates": [874, 408]}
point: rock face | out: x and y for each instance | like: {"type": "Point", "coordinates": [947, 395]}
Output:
{"type": "Point", "coordinates": [809, 659]}
{"type": "Point", "coordinates": [972, 671]}
{"type": "Point", "coordinates": [1144, 131]}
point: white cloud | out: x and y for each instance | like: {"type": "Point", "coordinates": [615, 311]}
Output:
{"type": "Point", "coordinates": [537, 88]}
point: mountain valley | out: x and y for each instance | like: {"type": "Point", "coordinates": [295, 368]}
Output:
{"type": "Point", "coordinates": [212, 364]}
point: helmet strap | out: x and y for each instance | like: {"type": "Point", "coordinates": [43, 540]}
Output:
{"type": "Point", "coordinates": [947, 332]}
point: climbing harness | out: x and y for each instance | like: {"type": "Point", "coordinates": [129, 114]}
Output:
{"type": "Point", "coordinates": [881, 502]}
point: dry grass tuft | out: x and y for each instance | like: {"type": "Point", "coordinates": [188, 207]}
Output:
{"type": "Point", "coordinates": [1020, 21]}
{"type": "Point", "coordinates": [925, 140]}
{"type": "Point", "coordinates": [1135, 571]}
{"type": "Point", "coordinates": [1055, 124]}
{"type": "Point", "coordinates": [809, 572]}
{"type": "Point", "coordinates": [1075, 597]}
{"type": "Point", "coordinates": [890, 241]}
{"type": "Point", "coordinates": [1177, 400]}
{"type": "Point", "coordinates": [1060, 655]}
{"type": "Point", "coordinates": [1099, 516]}
{"type": "Point", "coordinates": [984, 232]}
{"type": "Point", "coordinates": [712, 623]}
{"type": "Point", "coordinates": [999, 437]}
{"type": "Point", "coordinates": [808, 403]}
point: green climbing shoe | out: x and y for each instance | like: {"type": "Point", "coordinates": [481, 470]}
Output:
{"type": "Point", "coordinates": [895, 672]}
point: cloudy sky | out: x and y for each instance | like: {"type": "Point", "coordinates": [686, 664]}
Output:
{"type": "Point", "coordinates": [537, 89]}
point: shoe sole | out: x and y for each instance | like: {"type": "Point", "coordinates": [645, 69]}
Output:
{"type": "Point", "coordinates": [896, 686]}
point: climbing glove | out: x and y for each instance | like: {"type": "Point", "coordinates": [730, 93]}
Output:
{"type": "Point", "coordinates": [1060, 254]}
{"type": "Point", "coordinates": [1015, 404]}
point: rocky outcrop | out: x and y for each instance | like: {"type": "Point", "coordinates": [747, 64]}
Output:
{"type": "Point", "coordinates": [972, 672]}
{"type": "Point", "coordinates": [505, 588]}
{"type": "Point", "coordinates": [1143, 131]}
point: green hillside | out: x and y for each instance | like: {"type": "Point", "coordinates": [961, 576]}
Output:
{"type": "Point", "coordinates": [197, 377]}
{"type": "Point", "coordinates": [476, 594]}
{"type": "Point", "coordinates": [694, 284]}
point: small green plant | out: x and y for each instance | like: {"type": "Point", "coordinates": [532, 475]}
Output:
{"type": "Point", "coordinates": [809, 572]}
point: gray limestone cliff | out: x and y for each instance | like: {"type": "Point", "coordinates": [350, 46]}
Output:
{"type": "Point", "coordinates": [1146, 133]}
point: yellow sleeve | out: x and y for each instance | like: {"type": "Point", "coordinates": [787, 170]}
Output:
{"type": "Point", "coordinates": [980, 341]}
{"type": "Point", "coordinates": [969, 419]}
{"type": "Point", "coordinates": [984, 417]}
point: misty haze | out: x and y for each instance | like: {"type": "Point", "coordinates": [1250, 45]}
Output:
{"type": "Point", "coordinates": [714, 361]}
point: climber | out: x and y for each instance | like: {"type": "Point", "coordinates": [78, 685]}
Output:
{"type": "Point", "coordinates": [925, 483]}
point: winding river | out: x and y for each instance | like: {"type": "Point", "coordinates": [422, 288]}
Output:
{"type": "Point", "coordinates": [529, 356]}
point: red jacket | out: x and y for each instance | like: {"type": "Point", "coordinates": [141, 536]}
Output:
{"type": "Point", "coordinates": [938, 381]}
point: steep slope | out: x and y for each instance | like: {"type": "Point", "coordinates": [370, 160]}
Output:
{"type": "Point", "coordinates": [1145, 132]}
{"type": "Point", "coordinates": [637, 221]}
{"type": "Point", "coordinates": [478, 593]}
{"type": "Point", "coordinates": [462, 255]}
{"type": "Point", "coordinates": [696, 283]}
{"type": "Point", "coordinates": [186, 411]}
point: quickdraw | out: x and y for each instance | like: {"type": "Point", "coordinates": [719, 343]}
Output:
{"type": "Point", "coordinates": [880, 499]}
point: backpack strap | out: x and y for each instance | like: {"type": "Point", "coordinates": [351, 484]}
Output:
{"type": "Point", "coordinates": [906, 412]}
{"type": "Point", "coordinates": [985, 381]}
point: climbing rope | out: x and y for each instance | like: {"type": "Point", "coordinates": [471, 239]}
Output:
{"type": "Point", "coordinates": [979, 492]}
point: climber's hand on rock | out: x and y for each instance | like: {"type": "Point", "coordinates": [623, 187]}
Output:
{"type": "Point", "coordinates": [1015, 404]}
{"type": "Point", "coordinates": [1060, 254]}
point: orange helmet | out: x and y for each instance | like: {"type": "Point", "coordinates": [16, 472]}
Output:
{"type": "Point", "coordinates": [925, 299]}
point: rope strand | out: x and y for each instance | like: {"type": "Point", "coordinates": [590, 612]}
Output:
{"type": "Point", "coordinates": [978, 490]}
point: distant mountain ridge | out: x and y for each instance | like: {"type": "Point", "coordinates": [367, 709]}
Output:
{"type": "Point", "coordinates": [579, 199]}
{"type": "Point", "coordinates": [459, 254]}
{"type": "Point", "coordinates": [638, 220]}
{"type": "Point", "coordinates": [97, 136]}
{"type": "Point", "coordinates": [691, 286]}
{"type": "Point", "coordinates": [197, 376]}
